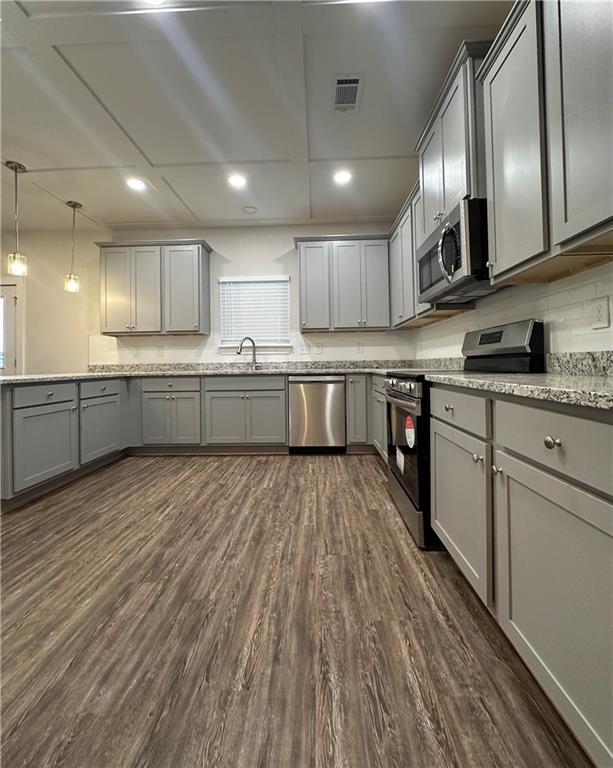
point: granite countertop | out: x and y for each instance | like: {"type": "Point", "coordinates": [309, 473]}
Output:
{"type": "Point", "coordinates": [590, 391]}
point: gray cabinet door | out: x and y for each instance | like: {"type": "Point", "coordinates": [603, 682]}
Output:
{"type": "Point", "coordinates": [314, 285]}
{"type": "Point", "coordinates": [185, 418]}
{"type": "Point", "coordinates": [379, 423]}
{"type": "Point", "coordinates": [147, 304]}
{"type": "Point", "coordinates": [554, 591]}
{"type": "Point", "coordinates": [461, 502]}
{"type": "Point", "coordinates": [224, 417]}
{"type": "Point", "coordinates": [115, 290]}
{"type": "Point", "coordinates": [181, 288]}
{"type": "Point", "coordinates": [408, 265]}
{"type": "Point", "coordinates": [100, 427]}
{"type": "Point", "coordinates": [375, 289]}
{"type": "Point", "coordinates": [454, 142]}
{"type": "Point", "coordinates": [346, 284]}
{"type": "Point", "coordinates": [430, 174]}
{"type": "Point", "coordinates": [418, 238]}
{"type": "Point", "coordinates": [357, 409]}
{"type": "Point", "coordinates": [579, 67]}
{"type": "Point", "coordinates": [515, 148]}
{"type": "Point", "coordinates": [157, 419]}
{"type": "Point", "coordinates": [45, 443]}
{"type": "Point", "coordinates": [396, 282]}
{"type": "Point", "coordinates": [265, 417]}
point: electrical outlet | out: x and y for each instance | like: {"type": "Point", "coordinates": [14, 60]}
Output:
{"type": "Point", "coordinates": [600, 313]}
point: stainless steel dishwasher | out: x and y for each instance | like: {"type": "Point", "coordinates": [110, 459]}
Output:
{"type": "Point", "coordinates": [317, 412]}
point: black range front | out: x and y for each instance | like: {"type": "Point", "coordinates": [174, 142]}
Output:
{"type": "Point", "coordinates": [408, 452]}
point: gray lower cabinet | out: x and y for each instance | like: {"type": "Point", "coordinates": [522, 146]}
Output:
{"type": "Point", "coordinates": [224, 417]}
{"type": "Point", "coordinates": [238, 418]}
{"type": "Point", "coordinates": [515, 147]}
{"type": "Point", "coordinates": [265, 417]}
{"type": "Point", "coordinates": [554, 592]}
{"type": "Point", "coordinates": [171, 419]}
{"type": "Point", "coordinates": [461, 507]}
{"type": "Point", "coordinates": [100, 427]}
{"type": "Point", "coordinates": [579, 69]}
{"type": "Point", "coordinates": [45, 443]}
{"type": "Point", "coordinates": [357, 409]}
{"type": "Point", "coordinates": [379, 423]}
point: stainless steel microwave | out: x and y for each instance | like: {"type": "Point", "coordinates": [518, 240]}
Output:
{"type": "Point", "coordinates": [452, 263]}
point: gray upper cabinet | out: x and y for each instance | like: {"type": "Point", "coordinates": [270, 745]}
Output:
{"type": "Point", "coordinates": [344, 284]}
{"type": "Point", "coordinates": [116, 295]}
{"type": "Point", "coordinates": [451, 146]}
{"type": "Point", "coordinates": [357, 409]}
{"type": "Point", "coordinates": [347, 284]}
{"type": "Point", "coordinates": [181, 288]}
{"type": "Point", "coordinates": [375, 284]}
{"type": "Point", "coordinates": [579, 68]}
{"type": "Point", "coordinates": [554, 591]}
{"type": "Point", "coordinates": [150, 288]}
{"type": "Point", "coordinates": [461, 506]}
{"type": "Point", "coordinates": [408, 264]}
{"type": "Point", "coordinates": [418, 238]}
{"type": "Point", "coordinates": [146, 298]}
{"type": "Point", "coordinates": [515, 145]}
{"type": "Point", "coordinates": [45, 443]}
{"type": "Point", "coordinates": [100, 427]}
{"type": "Point", "coordinates": [314, 285]}
{"type": "Point", "coordinates": [396, 283]}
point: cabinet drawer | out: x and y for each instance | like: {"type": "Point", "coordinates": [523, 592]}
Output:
{"type": "Point", "coordinates": [580, 448]}
{"type": "Point", "coordinates": [242, 383]}
{"type": "Point", "coordinates": [42, 394]}
{"type": "Point", "coordinates": [172, 384]}
{"type": "Point", "coordinates": [99, 388]}
{"type": "Point", "coordinates": [464, 411]}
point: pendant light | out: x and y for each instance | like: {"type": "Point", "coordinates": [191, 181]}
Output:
{"type": "Point", "coordinates": [17, 264]}
{"type": "Point", "coordinates": [71, 280]}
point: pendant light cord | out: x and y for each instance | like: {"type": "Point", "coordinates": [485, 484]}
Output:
{"type": "Point", "coordinates": [74, 217]}
{"type": "Point", "coordinates": [16, 212]}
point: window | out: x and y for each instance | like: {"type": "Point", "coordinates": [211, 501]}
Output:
{"type": "Point", "coordinates": [256, 307]}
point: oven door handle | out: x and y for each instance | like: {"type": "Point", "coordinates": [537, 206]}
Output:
{"type": "Point", "coordinates": [407, 405]}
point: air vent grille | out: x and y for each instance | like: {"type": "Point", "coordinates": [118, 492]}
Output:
{"type": "Point", "coordinates": [347, 92]}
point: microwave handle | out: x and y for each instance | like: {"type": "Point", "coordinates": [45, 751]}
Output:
{"type": "Point", "coordinates": [446, 229]}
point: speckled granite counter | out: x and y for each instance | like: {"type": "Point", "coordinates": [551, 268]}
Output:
{"type": "Point", "coordinates": [589, 391]}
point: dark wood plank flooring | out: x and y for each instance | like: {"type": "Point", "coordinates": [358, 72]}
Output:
{"type": "Point", "coordinates": [262, 611]}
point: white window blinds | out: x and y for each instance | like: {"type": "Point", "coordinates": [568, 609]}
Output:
{"type": "Point", "coordinates": [256, 307]}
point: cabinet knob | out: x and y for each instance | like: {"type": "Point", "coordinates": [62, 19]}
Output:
{"type": "Point", "coordinates": [84, 406]}
{"type": "Point", "coordinates": [448, 407]}
{"type": "Point", "coordinates": [552, 442]}
{"type": "Point", "coordinates": [168, 397]}
{"type": "Point", "coordinates": [170, 383]}
{"type": "Point", "coordinates": [246, 397]}
{"type": "Point", "coordinates": [74, 408]}
{"type": "Point", "coordinates": [49, 394]}
{"type": "Point", "coordinates": [128, 327]}
{"type": "Point", "coordinates": [496, 470]}
{"type": "Point", "coordinates": [173, 398]}
{"type": "Point", "coordinates": [102, 388]}
{"type": "Point", "coordinates": [195, 325]}
{"type": "Point", "coordinates": [477, 458]}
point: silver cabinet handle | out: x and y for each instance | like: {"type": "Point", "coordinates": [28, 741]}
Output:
{"type": "Point", "coordinates": [246, 397]}
{"type": "Point", "coordinates": [128, 327]}
{"type": "Point", "coordinates": [496, 470]}
{"type": "Point", "coordinates": [102, 389]}
{"type": "Point", "coordinates": [195, 325]}
{"type": "Point", "coordinates": [477, 458]}
{"type": "Point", "coordinates": [84, 406]}
{"type": "Point", "coordinates": [552, 442]}
{"type": "Point", "coordinates": [49, 394]}
{"type": "Point", "coordinates": [173, 398]}
{"type": "Point", "coordinates": [304, 322]}
{"type": "Point", "coordinates": [168, 397]}
{"type": "Point", "coordinates": [170, 384]}
{"type": "Point", "coordinates": [435, 217]}
{"type": "Point", "coordinates": [448, 407]}
{"type": "Point", "coordinates": [74, 408]}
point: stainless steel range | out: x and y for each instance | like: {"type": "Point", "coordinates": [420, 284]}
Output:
{"type": "Point", "coordinates": [511, 348]}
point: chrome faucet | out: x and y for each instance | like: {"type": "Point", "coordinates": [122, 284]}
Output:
{"type": "Point", "coordinates": [240, 349]}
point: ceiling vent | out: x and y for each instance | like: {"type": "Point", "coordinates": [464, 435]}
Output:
{"type": "Point", "coordinates": [348, 92]}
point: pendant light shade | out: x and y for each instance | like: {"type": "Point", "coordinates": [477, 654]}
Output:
{"type": "Point", "coordinates": [17, 262]}
{"type": "Point", "coordinates": [71, 280]}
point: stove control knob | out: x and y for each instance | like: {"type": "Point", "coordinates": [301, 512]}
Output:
{"type": "Point", "coordinates": [391, 382]}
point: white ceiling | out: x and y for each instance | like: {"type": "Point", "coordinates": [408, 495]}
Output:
{"type": "Point", "coordinates": [95, 92]}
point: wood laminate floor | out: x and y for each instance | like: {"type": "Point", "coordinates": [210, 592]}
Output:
{"type": "Point", "coordinates": [252, 612]}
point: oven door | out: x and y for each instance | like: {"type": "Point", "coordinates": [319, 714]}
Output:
{"type": "Point", "coordinates": [407, 443]}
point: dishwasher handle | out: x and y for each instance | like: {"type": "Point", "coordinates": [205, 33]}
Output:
{"type": "Point", "coordinates": [314, 379]}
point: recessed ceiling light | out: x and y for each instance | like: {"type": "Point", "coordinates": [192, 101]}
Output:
{"type": "Point", "coordinates": [237, 180]}
{"type": "Point", "coordinates": [249, 209]}
{"type": "Point", "coordinates": [137, 184]}
{"type": "Point", "coordinates": [342, 177]}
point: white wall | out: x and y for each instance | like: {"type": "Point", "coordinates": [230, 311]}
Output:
{"type": "Point", "coordinates": [58, 324]}
{"type": "Point", "coordinates": [251, 251]}
{"type": "Point", "coordinates": [565, 306]}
